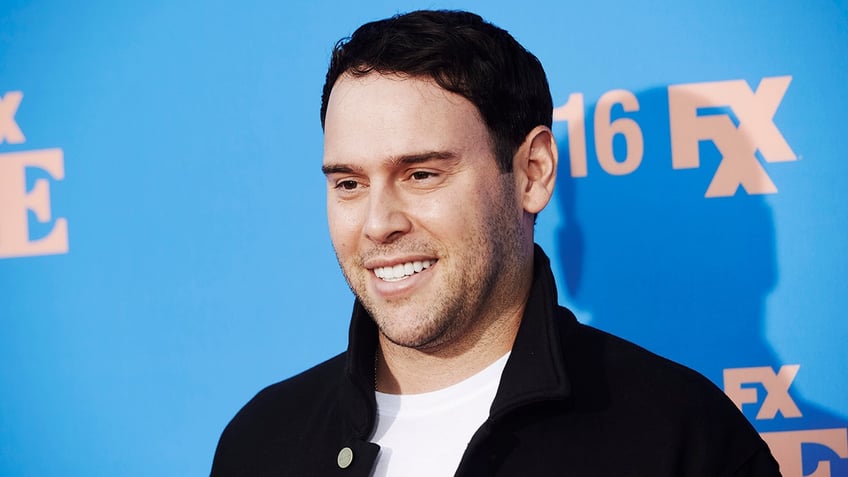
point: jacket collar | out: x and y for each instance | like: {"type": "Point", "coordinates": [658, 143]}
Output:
{"type": "Point", "coordinates": [534, 371]}
{"type": "Point", "coordinates": [358, 398]}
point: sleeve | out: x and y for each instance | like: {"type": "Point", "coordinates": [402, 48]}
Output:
{"type": "Point", "coordinates": [760, 464]}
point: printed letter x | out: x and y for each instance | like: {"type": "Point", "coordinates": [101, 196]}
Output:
{"type": "Point", "coordinates": [9, 129]}
{"type": "Point", "coordinates": [777, 393]}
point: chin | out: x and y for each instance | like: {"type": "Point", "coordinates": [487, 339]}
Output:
{"type": "Point", "coordinates": [414, 336]}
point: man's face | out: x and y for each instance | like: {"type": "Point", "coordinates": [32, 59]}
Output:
{"type": "Point", "coordinates": [426, 229]}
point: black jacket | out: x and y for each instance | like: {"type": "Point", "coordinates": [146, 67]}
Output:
{"type": "Point", "coordinates": [573, 401]}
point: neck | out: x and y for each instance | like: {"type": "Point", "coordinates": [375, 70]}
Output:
{"type": "Point", "coordinates": [403, 370]}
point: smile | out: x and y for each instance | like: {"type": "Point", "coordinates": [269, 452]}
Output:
{"type": "Point", "coordinates": [402, 271]}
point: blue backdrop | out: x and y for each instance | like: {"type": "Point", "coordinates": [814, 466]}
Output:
{"type": "Point", "coordinates": [163, 242]}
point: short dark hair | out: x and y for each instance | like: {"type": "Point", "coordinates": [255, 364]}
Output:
{"type": "Point", "coordinates": [463, 54]}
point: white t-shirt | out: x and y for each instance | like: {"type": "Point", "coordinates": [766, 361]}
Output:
{"type": "Point", "coordinates": [426, 434]}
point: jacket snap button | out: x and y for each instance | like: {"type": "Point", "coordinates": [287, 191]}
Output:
{"type": "Point", "coordinates": [345, 457]}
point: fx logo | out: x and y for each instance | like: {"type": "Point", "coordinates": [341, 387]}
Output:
{"type": "Point", "coordinates": [740, 384]}
{"type": "Point", "coordinates": [16, 202]}
{"type": "Point", "coordinates": [776, 386]}
{"type": "Point", "coordinates": [738, 144]}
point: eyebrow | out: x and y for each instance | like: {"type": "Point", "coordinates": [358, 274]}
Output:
{"type": "Point", "coordinates": [404, 160]}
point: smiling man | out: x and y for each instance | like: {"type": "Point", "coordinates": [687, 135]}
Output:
{"type": "Point", "coordinates": [438, 155]}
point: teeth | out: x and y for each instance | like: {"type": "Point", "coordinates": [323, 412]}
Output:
{"type": "Point", "coordinates": [401, 271]}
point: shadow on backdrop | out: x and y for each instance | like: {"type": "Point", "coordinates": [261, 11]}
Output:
{"type": "Point", "coordinates": [654, 261]}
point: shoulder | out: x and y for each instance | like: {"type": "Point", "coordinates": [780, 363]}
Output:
{"type": "Point", "coordinates": [672, 408]}
{"type": "Point", "coordinates": [294, 394]}
{"type": "Point", "coordinates": [279, 416]}
{"type": "Point", "coordinates": [596, 358]}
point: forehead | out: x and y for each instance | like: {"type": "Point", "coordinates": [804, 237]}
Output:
{"type": "Point", "coordinates": [378, 115]}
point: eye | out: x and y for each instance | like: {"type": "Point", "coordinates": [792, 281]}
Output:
{"type": "Point", "coordinates": [348, 184]}
{"type": "Point", "coordinates": [422, 175]}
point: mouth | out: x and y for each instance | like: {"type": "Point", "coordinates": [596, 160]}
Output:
{"type": "Point", "coordinates": [402, 271]}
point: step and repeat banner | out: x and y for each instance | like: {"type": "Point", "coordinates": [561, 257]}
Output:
{"type": "Point", "coordinates": [164, 251]}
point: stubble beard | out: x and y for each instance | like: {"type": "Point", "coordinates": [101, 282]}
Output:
{"type": "Point", "coordinates": [480, 285]}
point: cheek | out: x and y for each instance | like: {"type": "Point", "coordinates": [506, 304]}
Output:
{"type": "Point", "coordinates": [344, 226]}
{"type": "Point", "coordinates": [450, 216]}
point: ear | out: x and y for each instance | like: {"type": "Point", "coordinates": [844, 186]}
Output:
{"type": "Point", "coordinates": [535, 166]}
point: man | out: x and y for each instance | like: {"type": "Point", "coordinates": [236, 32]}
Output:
{"type": "Point", "coordinates": [438, 155]}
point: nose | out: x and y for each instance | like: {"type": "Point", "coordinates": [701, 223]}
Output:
{"type": "Point", "coordinates": [387, 218]}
